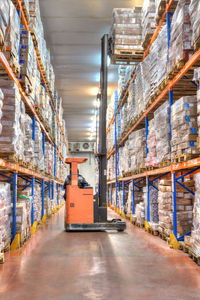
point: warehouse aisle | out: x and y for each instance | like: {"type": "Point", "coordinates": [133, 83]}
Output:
{"type": "Point", "coordinates": [59, 265]}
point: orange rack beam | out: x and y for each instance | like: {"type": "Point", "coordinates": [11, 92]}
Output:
{"type": "Point", "coordinates": [172, 168]}
{"type": "Point", "coordinates": [9, 166]}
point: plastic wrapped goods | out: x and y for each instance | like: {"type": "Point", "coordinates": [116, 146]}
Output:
{"type": "Point", "coordinates": [28, 140]}
{"type": "Point", "coordinates": [12, 121]}
{"type": "Point", "coordinates": [137, 150]}
{"type": "Point", "coordinates": [138, 197]}
{"type": "Point", "coordinates": [161, 121]}
{"type": "Point", "coordinates": [181, 34]}
{"type": "Point", "coordinates": [151, 159]}
{"type": "Point", "coordinates": [124, 160]}
{"type": "Point", "coordinates": [38, 151]}
{"type": "Point", "coordinates": [131, 103]}
{"type": "Point", "coordinates": [194, 10]}
{"type": "Point", "coordinates": [5, 209]}
{"type": "Point", "coordinates": [197, 79]}
{"type": "Point", "coordinates": [148, 21]}
{"type": "Point", "coordinates": [126, 29]}
{"type": "Point", "coordinates": [28, 63]}
{"type": "Point", "coordinates": [184, 127]}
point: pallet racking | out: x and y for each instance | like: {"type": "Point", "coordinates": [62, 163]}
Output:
{"type": "Point", "coordinates": [167, 92]}
{"type": "Point", "coordinates": [11, 170]}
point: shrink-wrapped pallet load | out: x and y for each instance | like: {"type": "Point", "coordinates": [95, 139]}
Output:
{"type": "Point", "coordinates": [28, 140]}
{"type": "Point", "coordinates": [12, 121]}
{"type": "Point", "coordinates": [126, 30]}
{"type": "Point", "coordinates": [194, 10]}
{"type": "Point", "coordinates": [5, 210]}
{"type": "Point", "coordinates": [151, 159]}
{"type": "Point", "coordinates": [28, 64]}
{"type": "Point", "coordinates": [148, 21]}
{"type": "Point", "coordinates": [38, 151]}
{"type": "Point", "coordinates": [162, 125]}
{"type": "Point", "coordinates": [137, 150]}
{"type": "Point", "coordinates": [181, 35]}
{"type": "Point", "coordinates": [184, 128]}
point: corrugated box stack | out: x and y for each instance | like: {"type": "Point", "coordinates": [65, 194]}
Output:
{"type": "Point", "coordinates": [184, 128]}
{"type": "Point", "coordinates": [148, 21]}
{"type": "Point", "coordinates": [126, 30]}
{"type": "Point", "coordinates": [181, 34]}
{"type": "Point", "coordinates": [194, 10]}
{"type": "Point", "coordinates": [184, 202]}
{"type": "Point", "coordinates": [5, 209]}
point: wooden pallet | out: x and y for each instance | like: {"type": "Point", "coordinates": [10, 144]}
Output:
{"type": "Point", "coordinates": [6, 248]}
{"type": "Point", "coordinates": [163, 236]}
{"type": "Point", "coordinates": [164, 163]}
{"type": "Point", "coordinates": [184, 158]}
{"type": "Point", "coordinates": [197, 44]}
{"type": "Point", "coordinates": [183, 247]}
{"type": "Point", "coordinates": [152, 231]}
{"type": "Point", "coordinates": [127, 58]}
{"type": "Point", "coordinates": [194, 257]}
{"type": "Point", "coordinates": [9, 157]}
{"type": "Point", "coordinates": [140, 225]}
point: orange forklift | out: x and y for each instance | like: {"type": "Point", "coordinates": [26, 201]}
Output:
{"type": "Point", "coordinates": [84, 211]}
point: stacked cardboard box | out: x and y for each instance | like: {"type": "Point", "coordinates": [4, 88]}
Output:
{"type": "Point", "coordinates": [140, 213]}
{"type": "Point", "coordinates": [181, 34]}
{"type": "Point", "coordinates": [197, 79]}
{"type": "Point", "coordinates": [184, 202]}
{"type": "Point", "coordinates": [49, 159]}
{"type": "Point", "coordinates": [184, 127]}
{"type": "Point", "coordinates": [126, 31]}
{"type": "Point", "coordinates": [5, 208]}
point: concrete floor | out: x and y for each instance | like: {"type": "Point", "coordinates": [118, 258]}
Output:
{"type": "Point", "coordinates": [83, 266]}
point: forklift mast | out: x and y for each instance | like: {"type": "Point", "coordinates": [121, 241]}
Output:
{"type": "Point", "coordinates": [102, 131]}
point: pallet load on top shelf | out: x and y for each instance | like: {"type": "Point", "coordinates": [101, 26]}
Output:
{"type": "Point", "coordinates": [184, 129]}
{"type": "Point", "coordinates": [181, 35]}
{"type": "Point", "coordinates": [10, 34]}
{"type": "Point", "coordinates": [148, 21]}
{"type": "Point", "coordinates": [5, 209]}
{"type": "Point", "coordinates": [126, 34]}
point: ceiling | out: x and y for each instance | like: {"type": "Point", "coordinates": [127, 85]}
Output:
{"type": "Point", "coordinates": [73, 30]}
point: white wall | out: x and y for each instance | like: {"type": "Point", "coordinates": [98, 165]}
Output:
{"type": "Point", "coordinates": [87, 169]}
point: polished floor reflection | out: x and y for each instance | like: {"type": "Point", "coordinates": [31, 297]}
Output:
{"type": "Point", "coordinates": [87, 266]}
